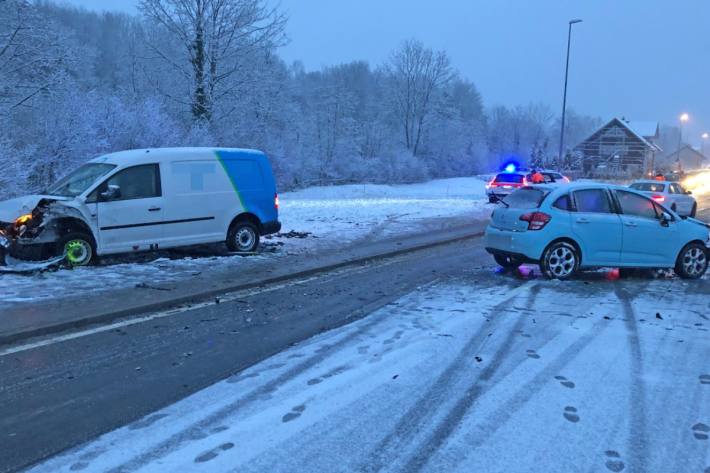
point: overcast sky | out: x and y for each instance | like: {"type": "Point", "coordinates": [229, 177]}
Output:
{"type": "Point", "coordinates": [643, 59]}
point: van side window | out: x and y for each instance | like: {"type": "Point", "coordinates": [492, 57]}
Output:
{"type": "Point", "coordinates": [592, 201]}
{"type": "Point", "coordinates": [564, 203]}
{"type": "Point", "coordinates": [138, 182]}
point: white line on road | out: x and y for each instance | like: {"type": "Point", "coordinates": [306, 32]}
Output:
{"type": "Point", "coordinates": [229, 297]}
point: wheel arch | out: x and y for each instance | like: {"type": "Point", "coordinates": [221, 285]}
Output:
{"type": "Point", "coordinates": [246, 217]}
{"type": "Point", "coordinates": [65, 225]}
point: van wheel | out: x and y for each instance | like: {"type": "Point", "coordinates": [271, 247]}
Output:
{"type": "Point", "coordinates": [560, 261]}
{"type": "Point", "coordinates": [78, 248]}
{"type": "Point", "coordinates": [243, 237]}
{"type": "Point", "coordinates": [694, 210]}
{"type": "Point", "coordinates": [507, 262]}
{"type": "Point", "coordinates": [692, 261]}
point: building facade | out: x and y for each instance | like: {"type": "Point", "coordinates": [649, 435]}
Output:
{"type": "Point", "coordinates": [620, 149]}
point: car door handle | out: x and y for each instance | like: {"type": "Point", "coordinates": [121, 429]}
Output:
{"type": "Point", "coordinates": [582, 220]}
{"type": "Point", "coordinates": [631, 224]}
{"type": "Point", "coordinates": [153, 209]}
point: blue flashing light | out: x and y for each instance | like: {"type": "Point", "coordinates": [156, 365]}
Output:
{"type": "Point", "coordinates": [510, 168]}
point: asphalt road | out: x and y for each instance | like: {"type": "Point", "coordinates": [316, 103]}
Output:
{"type": "Point", "coordinates": [58, 395]}
{"type": "Point", "coordinates": [63, 391]}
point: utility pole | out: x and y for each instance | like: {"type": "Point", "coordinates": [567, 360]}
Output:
{"type": "Point", "coordinates": [564, 95]}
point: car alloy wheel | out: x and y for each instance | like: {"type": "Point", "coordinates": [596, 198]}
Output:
{"type": "Point", "coordinates": [693, 262]}
{"type": "Point", "coordinates": [560, 261]}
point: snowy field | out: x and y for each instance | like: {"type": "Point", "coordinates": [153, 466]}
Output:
{"type": "Point", "coordinates": [332, 216]}
{"type": "Point", "coordinates": [485, 373]}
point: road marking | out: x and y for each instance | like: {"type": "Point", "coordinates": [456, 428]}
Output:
{"type": "Point", "coordinates": [229, 297]}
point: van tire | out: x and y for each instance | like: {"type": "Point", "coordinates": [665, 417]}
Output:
{"type": "Point", "coordinates": [243, 237]}
{"type": "Point", "coordinates": [79, 248]}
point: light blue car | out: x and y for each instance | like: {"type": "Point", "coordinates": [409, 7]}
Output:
{"type": "Point", "coordinates": [588, 225]}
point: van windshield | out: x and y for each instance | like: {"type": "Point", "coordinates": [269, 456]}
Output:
{"type": "Point", "coordinates": [81, 179]}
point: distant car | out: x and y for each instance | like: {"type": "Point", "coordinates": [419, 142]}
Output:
{"type": "Point", "coordinates": [504, 183]}
{"type": "Point", "coordinates": [670, 194]}
{"type": "Point", "coordinates": [587, 225]}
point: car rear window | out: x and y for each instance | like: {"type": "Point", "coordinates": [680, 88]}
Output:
{"type": "Point", "coordinates": [648, 187]}
{"type": "Point", "coordinates": [509, 178]}
{"type": "Point", "coordinates": [526, 198]}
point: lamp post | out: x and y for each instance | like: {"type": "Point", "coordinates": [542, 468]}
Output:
{"type": "Point", "coordinates": [683, 119]}
{"type": "Point", "coordinates": [564, 95]}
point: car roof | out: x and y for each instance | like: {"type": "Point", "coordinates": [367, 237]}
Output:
{"type": "Point", "coordinates": [153, 155]}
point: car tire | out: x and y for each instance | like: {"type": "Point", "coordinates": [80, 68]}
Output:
{"type": "Point", "coordinates": [243, 237]}
{"type": "Point", "coordinates": [507, 262]}
{"type": "Point", "coordinates": [78, 247]}
{"type": "Point", "coordinates": [694, 210]}
{"type": "Point", "coordinates": [692, 262]}
{"type": "Point", "coordinates": [560, 260]}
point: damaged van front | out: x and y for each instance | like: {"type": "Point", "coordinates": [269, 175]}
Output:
{"type": "Point", "coordinates": [54, 225]}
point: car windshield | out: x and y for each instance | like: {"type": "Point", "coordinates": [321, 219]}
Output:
{"type": "Point", "coordinates": [648, 187]}
{"type": "Point", "coordinates": [80, 180]}
{"type": "Point", "coordinates": [507, 178]}
{"type": "Point", "coordinates": [527, 198]}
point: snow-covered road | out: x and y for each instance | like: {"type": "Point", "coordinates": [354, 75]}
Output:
{"type": "Point", "coordinates": [332, 216]}
{"type": "Point", "coordinates": [485, 373]}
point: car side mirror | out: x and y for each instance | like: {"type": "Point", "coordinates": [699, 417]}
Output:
{"type": "Point", "coordinates": [666, 219]}
{"type": "Point", "coordinates": [112, 192]}
{"type": "Point", "coordinates": [688, 192]}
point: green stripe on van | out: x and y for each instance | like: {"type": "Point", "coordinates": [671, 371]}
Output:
{"type": "Point", "coordinates": [232, 179]}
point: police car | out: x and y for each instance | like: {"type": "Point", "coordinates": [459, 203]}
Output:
{"type": "Point", "coordinates": [512, 179]}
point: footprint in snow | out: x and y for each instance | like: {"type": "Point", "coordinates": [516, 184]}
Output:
{"type": "Point", "coordinates": [704, 379]}
{"type": "Point", "coordinates": [613, 462]}
{"type": "Point", "coordinates": [363, 349]}
{"type": "Point", "coordinates": [701, 431]}
{"type": "Point", "coordinates": [571, 414]}
{"type": "Point", "coordinates": [294, 414]}
{"type": "Point", "coordinates": [565, 382]}
{"type": "Point", "coordinates": [212, 454]}
{"type": "Point", "coordinates": [533, 354]}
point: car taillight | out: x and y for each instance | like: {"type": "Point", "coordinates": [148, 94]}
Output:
{"type": "Point", "coordinates": [658, 198]}
{"type": "Point", "coordinates": [525, 181]}
{"type": "Point", "coordinates": [566, 179]}
{"type": "Point", "coordinates": [536, 220]}
{"type": "Point", "coordinates": [492, 184]}
{"type": "Point", "coordinates": [276, 201]}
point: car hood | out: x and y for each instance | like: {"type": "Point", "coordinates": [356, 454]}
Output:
{"type": "Point", "coordinates": [13, 208]}
{"type": "Point", "coordinates": [696, 221]}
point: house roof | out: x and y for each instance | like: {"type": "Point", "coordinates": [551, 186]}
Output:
{"type": "Point", "coordinates": [626, 125]}
{"type": "Point", "coordinates": [691, 150]}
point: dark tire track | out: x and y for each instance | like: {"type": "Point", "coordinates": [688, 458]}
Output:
{"type": "Point", "coordinates": [638, 436]}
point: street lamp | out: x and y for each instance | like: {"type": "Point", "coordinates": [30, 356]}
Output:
{"type": "Point", "coordinates": [705, 137]}
{"type": "Point", "coordinates": [684, 118]}
{"type": "Point", "coordinates": [564, 95]}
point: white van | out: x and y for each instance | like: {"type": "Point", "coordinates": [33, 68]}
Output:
{"type": "Point", "coordinates": [146, 200]}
